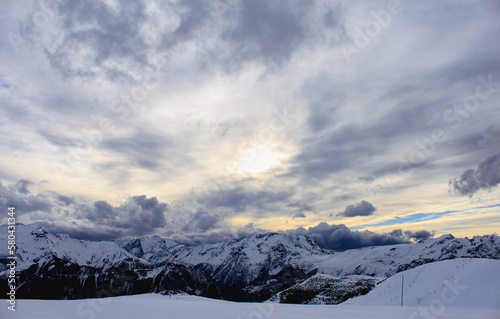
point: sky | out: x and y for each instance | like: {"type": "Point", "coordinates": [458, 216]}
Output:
{"type": "Point", "coordinates": [353, 121]}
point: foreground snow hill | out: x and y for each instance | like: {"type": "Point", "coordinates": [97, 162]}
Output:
{"type": "Point", "coordinates": [460, 288]}
{"type": "Point", "coordinates": [192, 307]}
{"type": "Point", "coordinates": [460, 283]}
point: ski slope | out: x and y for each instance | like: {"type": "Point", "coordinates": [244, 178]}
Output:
{"type": "Point", "coordinates": [460, 283]}
{"type": "Point", "coordinates": [191, 307]}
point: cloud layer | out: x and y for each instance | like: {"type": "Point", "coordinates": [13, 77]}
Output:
{"type": "Point", "coordinates": [139, 216]}
{"type": "Point", "coordinates": [485, 177]}
{"type": "Point", "coordinates": [177, 99]}
{"type": "Point", "coordinates": [340, 238]}
{"type": "Point", "coordinates": [363, 208]}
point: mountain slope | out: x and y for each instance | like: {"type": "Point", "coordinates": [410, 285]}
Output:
{"type": "Point", "coordinates": [35, 245]}
{"type": "Point", "coordinates": [464, 283]}
{"type": "Point", "coordinates": [385, 261]}
{"type": "Point", "coordinates": [256, 265]}
{"type": "Point", "coordinates": [325, 289]}
{"type": "Point", "coordinates": [153, 249]}
{"type": "Point", "coordinates": [251, 268]}
{"type": "Point", "coordinates": [55, 266]}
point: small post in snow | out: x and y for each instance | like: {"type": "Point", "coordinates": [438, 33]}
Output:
{"type": "Point", "coordinates": [402, 285]}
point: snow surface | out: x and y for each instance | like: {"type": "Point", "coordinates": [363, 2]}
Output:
{"type": "Point", "coordinates": [187, 307]}
{"type": "Point", "coordinates": [460, 283]}
{"type": "Point", "coordinates": [472, 291]}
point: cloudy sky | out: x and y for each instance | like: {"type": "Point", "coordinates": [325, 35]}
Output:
{"type": "Point", "coordinates": [206, 119]}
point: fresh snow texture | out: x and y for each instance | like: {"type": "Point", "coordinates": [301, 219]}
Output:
{"type": "Point", "coordinates": [458, 283]}
{"type": "Point", "coordinates": [190, 307]}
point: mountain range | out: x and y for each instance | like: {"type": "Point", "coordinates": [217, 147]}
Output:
{"type": "Point", "coordinates": [255, 267]}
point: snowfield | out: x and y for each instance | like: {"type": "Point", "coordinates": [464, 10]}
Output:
{"type": "Point", "coordinates": [187, 307]}
{"type": "Point", "coordinates": [459, 288]}
{"type": "Point", "coordinates": [471, 283]}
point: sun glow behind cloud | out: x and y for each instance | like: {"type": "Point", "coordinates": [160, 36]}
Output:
{"type": "Point", "coordinates": [257, 160]}
{"type": "Point", "coordinates": [251, 113]}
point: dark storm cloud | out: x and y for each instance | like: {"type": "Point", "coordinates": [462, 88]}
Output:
{"type": "Point", "coordinates": [80, 232]}
{"type": "Point", "coordinates": [363, 208]}
{"type": "Point", "coordinates": [419, 235]}
{"type": "Point", "coordinates": [340, 238]}
{"type": "Point", "coordinates": [137, 216]}
{"type": "Point", "coordinates": [396, 233]}
{"type": "Point", "coordinates": [332, 237]}
{"type": "Point", "coordinates": [19, 196]}
{"type": "Point", "coordinates": [140, 215]}
{"type": "Point", "coordinates": [239, 198]}
{"type": "Point", "coordinates": [407, 234]}
{"type": "Point", "coordinates": [485, 176]}
{"type": "Point", "coordinates": [102, 210]}
{"type": "Point", "coordinates": [192, 234]}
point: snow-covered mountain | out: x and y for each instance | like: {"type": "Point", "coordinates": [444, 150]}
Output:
{"type": "Point", "coordinates": [462, 283]}
{"type": "Point", "coordinates": [385, 261]}
{"type": "Point", "coordinates": [55, 266]}
{"type": "Point", "coordinates": [257, 266]}
{"type": "Point", "coordinates": [153, 248]}
{"type": "Point", "coordinates": [35, 245]}
{"type": "Point", "coordinates": [254, 267]}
